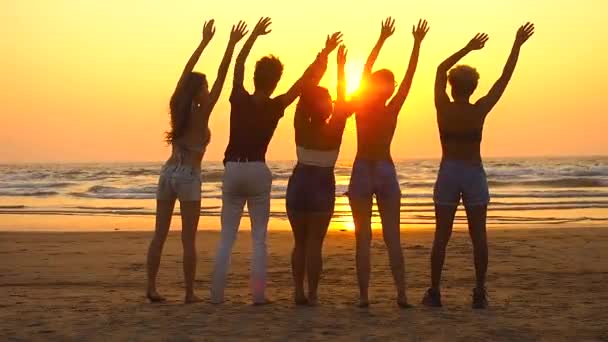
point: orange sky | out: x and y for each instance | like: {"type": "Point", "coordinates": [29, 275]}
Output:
{"type": "Point", "coordinates": [86, 80]}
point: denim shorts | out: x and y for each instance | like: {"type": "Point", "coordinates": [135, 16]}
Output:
{"type": "Point", "coordinates": [311, 189]}
{"type": "Point", "coordinates": [374, 177]}
{"type": "Point", "coordinates": [459, 179]}
{"type": "Point", "coordinates": [179, 182]}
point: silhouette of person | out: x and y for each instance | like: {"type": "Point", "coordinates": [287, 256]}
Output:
{"type": "Point", "coordinates": [373, 170]}
{"type": "Point", "coordinates": [461, 174]}
{"type": "Point", "coordinates": [190, 108]}
{"type": "Point", "coordinates": [247, 178]}
{"type": "Point", "coordinates": [311, 190]}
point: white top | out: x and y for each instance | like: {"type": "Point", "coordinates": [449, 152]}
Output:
{"type": "Point", "coordinates": [317, 157]}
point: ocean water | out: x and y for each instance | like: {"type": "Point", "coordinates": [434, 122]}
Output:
{"type": "Point", "coordinates": [556, 191]}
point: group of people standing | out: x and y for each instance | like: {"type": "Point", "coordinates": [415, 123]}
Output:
{"type": "Point", "coordinates": [319, 124]}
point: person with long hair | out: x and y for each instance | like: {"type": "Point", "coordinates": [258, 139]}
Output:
{"type": "Point", "coordinates": [461, 173]}
{"type": "Point", "coordinates": [247, 179]}
{"type": "Point", "coordinates": [180, 178]}
{"type": "Point", "coordinates": [373, 171]}
{"type": "Point", "coordinates": [311, 190]}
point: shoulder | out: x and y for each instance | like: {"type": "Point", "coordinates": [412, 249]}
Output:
{"type": "Point", "coordinates": [238, 93]}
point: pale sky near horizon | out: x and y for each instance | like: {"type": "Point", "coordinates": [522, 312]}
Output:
{"type": "Point", "coordinates": [86, 80]}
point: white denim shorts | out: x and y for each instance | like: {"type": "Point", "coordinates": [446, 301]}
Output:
{"type": "Point", "coordinates": [179, 182]}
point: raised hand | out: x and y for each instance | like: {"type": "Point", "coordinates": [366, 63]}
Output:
{"type": "Point", "coordinates": [388, 28]}
{"type": "Point", "coordinates": [524, 33]}
{"type": "Point", "coordinates": [420, 31]}
{"type": "Point", "coordinates": [332, 42]}
{"type": "Point", "coordinates": [238, 32]}
{"type": "Point", "coordinates": [208, 30]}
{"type": "Point", "coordinates": [478, 42]}
{"type": "Point", "coordinates": [262, 27]}
{"type": "Point", "coordinates": [342, 53]}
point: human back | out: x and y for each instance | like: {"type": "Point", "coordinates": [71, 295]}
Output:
{"type": "Point", "coordinates": [461, 127]}
{"type": "Point", "coordinates": [376, 126]}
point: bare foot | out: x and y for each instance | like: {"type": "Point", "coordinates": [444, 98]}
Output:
{"type": "Point", "coordinates": [363, 303]}
{"type": "Point", "coordinates": [154, 297]}
{"type": "Point", "coordinates": [264, 302]}
{"type": "Point", "coordinates": [192, 299]}
{"type": "Point", "coordinates": [402, 302]}
{"type": "Point", "coordinates": [301, 300]}
{"type": "Point", "coordinates": [313, 301]}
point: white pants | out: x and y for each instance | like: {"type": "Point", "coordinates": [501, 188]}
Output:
{"type": "Point", "coordinates": [243, 183]}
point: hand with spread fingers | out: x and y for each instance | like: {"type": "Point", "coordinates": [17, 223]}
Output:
{"type": "Point", "coordinates": [478, 42]}
{"type": "Point", "coordinates": [332, 42]}
{"type": "Point", "coordinates": [262, 28]}
{"type": "Point", "coordinates": [524, 33]}
{"type": "Point", "coordinates": [420, 31]}
{"type": "Point", "coordinates": [238, 32]}
{"type": "Point", "coordinates": [388, 28]}
{"type": "Point", "coordinates": [208, 30]}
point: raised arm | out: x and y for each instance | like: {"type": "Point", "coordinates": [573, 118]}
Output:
{"type": "Point", "coordinates": [342, 108]}
{"type": "Point", "coordinates": [208, 32]}
{"type": "Point", "coordinates": [419, 33]}
{"type": "Point", "coordinates": [314, 72]}
{"type": "Point", "coordinates": [237, 33]}
{"type": "Point", "coordinates": [260, 29]}
{"type": "Point", "coordinates": [387, 30]}
{"type": "Point", "coordinates": [489, 101]}
{"type": "Point", "coordinates": [441, 79]}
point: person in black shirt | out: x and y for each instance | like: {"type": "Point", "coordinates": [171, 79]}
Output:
{"type": "Point", "coordinates": [247, 178]}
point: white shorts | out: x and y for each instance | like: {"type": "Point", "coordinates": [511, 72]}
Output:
{"type": "Point", "coordinates": [179, 182]}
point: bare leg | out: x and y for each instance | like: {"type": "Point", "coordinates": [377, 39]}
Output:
{"type": "Point", "coordinates": [318, 224]}
{"type": "Point", "coordinates": [362, 216]}
{"type": "Point", "coordinates": [299, 227]}
{"type": "Point", "coordinates": [164, 212]}
{"type": "Point", "coordinates": [444, 221]}
{"type": "Point", "coordinates": [476, 216]}
{"type": "Point", "coordinates": [190, 212]}
{"type": "Point", "coordinates": [389, 209]}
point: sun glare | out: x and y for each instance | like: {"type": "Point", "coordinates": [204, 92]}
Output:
{"type": "Point", "coordinates": [353, 76]}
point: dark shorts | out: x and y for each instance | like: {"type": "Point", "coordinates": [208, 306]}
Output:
{"type": "Point", "coordinates": [374, 177]}
{"type": "Point", "coordinates": [311, 189]}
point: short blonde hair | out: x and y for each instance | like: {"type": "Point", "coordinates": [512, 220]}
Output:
{"type": "Point", "coordinates": [463, 79]}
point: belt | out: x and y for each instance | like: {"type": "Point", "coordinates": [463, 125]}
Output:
{"type": "Point", "coordinates": [236, 159]}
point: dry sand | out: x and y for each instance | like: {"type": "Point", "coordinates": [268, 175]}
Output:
{"type": "Point", "coordinates": [544, 284]}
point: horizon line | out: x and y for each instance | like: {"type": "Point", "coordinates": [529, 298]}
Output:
{"type": "Point", "coordinates": [2, 163]}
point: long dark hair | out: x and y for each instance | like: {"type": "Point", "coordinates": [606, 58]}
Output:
{"type": "Point", "coordinates": [180, 105]}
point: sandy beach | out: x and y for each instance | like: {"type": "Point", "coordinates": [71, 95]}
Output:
{"type": "Point", "coordinates": [544, 284]}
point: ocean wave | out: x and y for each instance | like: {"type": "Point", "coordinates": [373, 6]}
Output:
{"type": "Point", "coordinates": [566, 182]}
{"type": "Point", "coordinates": [37, 185]}
{"type": "Point", "coordinates": [109, 192]}
{"type": "Point", "coordinates": [108, 208]}
{"type": "Point", "coordinates": [212, 176]}
{"type": "Point", "coordinates": [26, 193]}
{"type": "Point", "coordinates": [12, 207]}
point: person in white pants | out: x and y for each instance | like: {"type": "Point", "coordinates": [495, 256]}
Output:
{"type": "Point", "coordinates": [247, 182]}
{"type": "Point", "coordinates": [247, 178]}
